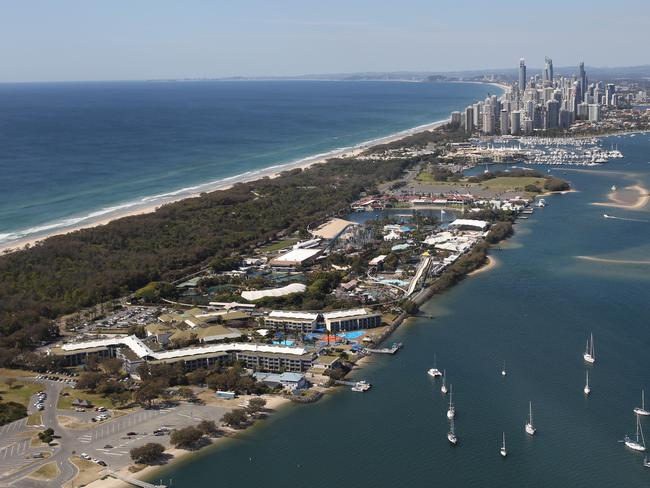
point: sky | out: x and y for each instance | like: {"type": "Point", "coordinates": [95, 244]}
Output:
{"type": "Point", "coordinates": [56, 40]}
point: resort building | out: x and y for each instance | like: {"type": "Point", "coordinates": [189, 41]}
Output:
{"type": "Point", "coordinates": [290, 381]}
{"type": "Point", "coordinates": [293, 321]}
{"type": "Point", "coordinates": [133, 352]}
{"type": "Point", "coordinates": [344, 320]}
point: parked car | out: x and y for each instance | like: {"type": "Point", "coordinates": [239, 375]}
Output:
{"type": "Point", "coordinates": [85, 456]}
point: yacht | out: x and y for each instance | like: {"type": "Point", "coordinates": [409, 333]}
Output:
{"type": "Point", "coordinates": [435, 372]}
{"type": "Point", "coordinates": [504, 453]}
{"type": "Point", "coordinates": [613, 187]}
{"type": "Point", "coordinates": [587, 390]}
{"type": "Point", "coordinates": [503, 371]}
{"type": "Point", "coordinates": [541, 203]}
{"type": "Point", "coordinates": [443, 388]}
{"type": "Point", "coordinates": [451, 412]}
{"type": "Point", "coordinates": [634, 444]}
{"type": "Point", "coordinates": [641, 410]}
{"type": "Point", "coordinates": [589, 355]}
{"type": "Point", "coordinates": [646, 463]}
{"type": "Point", "coordinates": [451, 435]}
{"type": "Point", "coordinates": [361, 386]}
{"type": "Point", "coordinates": [530, 430]}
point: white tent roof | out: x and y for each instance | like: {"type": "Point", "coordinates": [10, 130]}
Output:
{"type": "Point", "coordinates": [274, 292]}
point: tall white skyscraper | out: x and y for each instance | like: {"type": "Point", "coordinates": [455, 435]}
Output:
{"type": "Point", "coordinates": [522, 75]}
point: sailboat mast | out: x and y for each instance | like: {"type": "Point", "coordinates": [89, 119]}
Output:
{"type": "Point", "coordinates": [530, 412]}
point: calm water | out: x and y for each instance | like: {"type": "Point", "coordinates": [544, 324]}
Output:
{"type": "Point", "coordinates": [534, 310]}
{"type": "Point", "coordinates": [74, 152]}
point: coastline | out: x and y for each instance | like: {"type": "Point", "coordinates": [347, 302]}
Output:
{"type": "Point", "coordinates": [615, 201]}
{"type": "Point", "coordinates": [178, 456]}
{"type": "Point", "coordinates": [145, 206]}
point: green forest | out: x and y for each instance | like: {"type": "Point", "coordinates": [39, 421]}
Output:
{"type": "Point", "coordinates": [68, 272]}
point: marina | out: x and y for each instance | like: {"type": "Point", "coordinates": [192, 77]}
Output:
{"type": "Point", "coordinates": [485, 320]}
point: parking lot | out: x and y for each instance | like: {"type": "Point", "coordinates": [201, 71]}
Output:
{"type": "Point", "coordinates": [109, 441]}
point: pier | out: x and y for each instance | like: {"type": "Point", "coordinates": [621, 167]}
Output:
{"type": "Point", "coordinates": [386, 350]}
{"type": "Point", "coordinates": [132, 481]}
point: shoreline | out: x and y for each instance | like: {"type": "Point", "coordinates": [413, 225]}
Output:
{"type": "Point", "coordinates": [129, 209]}
{"type": "Point", "coordinates": [179, 456]}
{"type": "Point", "coordinates": [642, 199]}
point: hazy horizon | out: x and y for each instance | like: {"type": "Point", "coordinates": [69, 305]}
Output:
{"type": "Point", "coordinates": [74, 40]}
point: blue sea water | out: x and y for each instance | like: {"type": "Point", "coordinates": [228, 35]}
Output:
{"type": "Point", "coordinates": [534, 310]}
{"type": "Point", "coordinates": [72, 153]}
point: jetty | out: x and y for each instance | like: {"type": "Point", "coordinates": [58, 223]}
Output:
{"type": "Point", "coordinates": [132, 481]}
{"type": "Point", "coordinates": [386, 350]}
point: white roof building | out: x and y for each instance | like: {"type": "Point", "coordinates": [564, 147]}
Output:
{"type": "Point", "coordinates": [296, 257]}
{"type": "Point", "coordinates": [274, 292]}
{"type": "Point", "coordinates": [479, 224]}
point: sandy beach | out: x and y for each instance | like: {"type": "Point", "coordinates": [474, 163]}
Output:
{"type": "Point", "coordinates": [635, 197]}
{"type": "Point", "coordinates": [222, 184]}
{"type": "Point", "coordinates": [490, 264]}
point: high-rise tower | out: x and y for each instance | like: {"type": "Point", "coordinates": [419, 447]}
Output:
{"type": "Point", "coordinates": [522, 75]}
{"type": "Point", "coordinates": [548, 70]}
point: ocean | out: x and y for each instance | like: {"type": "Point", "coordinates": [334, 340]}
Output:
{"type": "Point", "coordinates": [75, 153]}
{"type": "Point", "coordinates": [534, 310]}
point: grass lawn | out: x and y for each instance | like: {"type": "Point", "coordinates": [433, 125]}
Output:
{"type": "Point", "coordinates": [46, 472]}
{"type": "Point", "coordinates": [65, 402]}
{"type": "Point", "coordinates": [425, 177]}
{"type": "Point", "coordinates": [14, 373]}
{"type": "Point", "coordinates": [276, 246]}
{"type": "Point", "coordinates": [20, 392]}
{"type": "Point", "coordinates": [512, 183]}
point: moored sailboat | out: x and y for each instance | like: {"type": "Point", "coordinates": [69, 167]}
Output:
{"type": "Point", "coordinates": [530, 429]}
{"type": "Point", "coordinates": [504, 453]}
{"type": "Point", "coordinates": [589, 354]}
{"type": "Point", "coordinates": [587, 390]}
{"type": "Point", "coordinates": [443, 388]}
{"type": "Point", "coordinates": [435, 372]}
{"type": "Point", "coordinates": [451, 412]}
{"type": "Point", "coordinates": [503, 370]}
{"type": "Point", "coordinates": [641, 410]}
{"type": "Point", "coordinates": [638, 443]}
{"type": "Point", "coordinates": [451, 435]}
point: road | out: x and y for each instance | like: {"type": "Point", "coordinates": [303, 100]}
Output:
{"type": "Point", "coordinates": [107, 441]}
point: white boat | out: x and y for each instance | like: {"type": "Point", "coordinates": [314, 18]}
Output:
{"type": "Point", "coordinates": [451, 412]}
{"type": "Point", "coordinates": [641, 410]}
{"type": "Point", "coordinates": [361, 386]}
{"type": "Point", "coordinates": [541, 203]}
{"type": "Point", "coordinates": [587, 390]}
{"type": "Point", "coordinates": [504, 453]}
{"type": "Point", "coordinates": [646, 463]}
{"type": "Point", "coordinates": [607, 216]}
{"type": "Point", "coordinates": [613, 187]}
{"type": "Point", "coordinates": [634, 444]}
{"type": "Point", "coordinates": [530, 429]}
{"type": "Point", "coordinates": [451, 435]}
{"type": "Point", "coordinates": [589, 354]}
{"type": "Point", "coordinates": [435, 372]}
{"type": "Point", "coordinates": [443, 388]}
{"type": "Point", "coordinates": [503, 371]}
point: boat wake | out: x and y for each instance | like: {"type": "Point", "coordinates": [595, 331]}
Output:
{"type": "Point", "coordinates": [613, 217]}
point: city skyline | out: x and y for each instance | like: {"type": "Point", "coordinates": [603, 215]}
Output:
{"type": "Point", "coordinates": [72, 40]}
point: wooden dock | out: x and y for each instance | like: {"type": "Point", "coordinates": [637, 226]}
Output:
{"type": "Point", "coordinates": [386, 350]}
